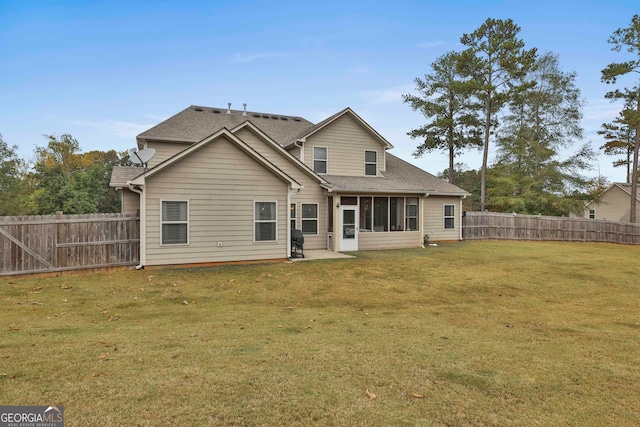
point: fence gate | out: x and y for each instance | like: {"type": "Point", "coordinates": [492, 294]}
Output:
{"type": "Point", "coordinates": [38, 244]}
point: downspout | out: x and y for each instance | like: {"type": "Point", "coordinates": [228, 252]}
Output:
{"type": "Point", "coordinates": [143, 225]}
{"type": "Point", "coordinates": [460, 214]}
{"type": "Point", "coordinates": [289, 193]}
{"type": "Point", "coordinates": [424, 226]}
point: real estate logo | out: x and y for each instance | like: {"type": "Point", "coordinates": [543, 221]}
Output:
{"type": "Point", "coordinates": [31, 416]}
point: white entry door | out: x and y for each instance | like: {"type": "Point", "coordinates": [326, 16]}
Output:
{"type": "Point", "coordinates": [348, 228]}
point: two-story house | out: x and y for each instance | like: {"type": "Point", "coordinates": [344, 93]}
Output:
{"type": "Point", "coordinates": [230, 185]}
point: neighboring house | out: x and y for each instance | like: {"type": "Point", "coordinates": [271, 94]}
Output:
{"type": "Point", "coordinates": [614, 204]}
{"type": "Point", "coordinates": [228, 185]}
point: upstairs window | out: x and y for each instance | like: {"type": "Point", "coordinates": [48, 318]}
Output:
{"type": "Point", "coordinates": [449, 216]}
{"type": "Point", "coordinates": [175, 223]}
{"type": "Point", "coordinates": [371, 163]}
{"type": "Point", "coordinates": [592, 214]}
{"type": "Point", "coordinates": [320, 157]}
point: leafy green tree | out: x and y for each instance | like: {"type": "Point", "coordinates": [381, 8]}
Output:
{"type": "Point", "coordinates": [444, 99]}
{"type": "Point", "coordinates": [495, 61]}
{"type": "Point", "coordinates": [11, 170]}
{"type": "Point", "coordinates": [628, 39]}
{"type": "Point", "coordinates": [619, 137]}
{"type": "Point", "coordinates": [73, 182]}
{"type": "Point", "coordinates": [469, 180]}
{"type": "Point", "coordinates": [544, 119]}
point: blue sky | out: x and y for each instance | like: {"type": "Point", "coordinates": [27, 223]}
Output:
{"type": "Point", "coordinates": [104, 71]}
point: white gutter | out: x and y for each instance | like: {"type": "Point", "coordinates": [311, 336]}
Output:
{"type": "Point", "coordinates": [143, 226]}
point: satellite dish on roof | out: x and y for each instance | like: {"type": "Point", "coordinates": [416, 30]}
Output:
{"type": "Point", "coordinates": [133, 157]}
{"type": "Point", "coordinates": [141, 157]}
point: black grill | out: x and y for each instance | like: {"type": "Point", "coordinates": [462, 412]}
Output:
{"type": "Point", "coordinates": [297, 244]}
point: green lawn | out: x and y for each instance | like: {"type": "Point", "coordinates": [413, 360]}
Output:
{"type": "Point", "coordinates": [472, 333]}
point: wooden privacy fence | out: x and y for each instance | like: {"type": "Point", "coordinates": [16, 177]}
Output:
{"type": "Point", "coordinates": [489, 225]}
{"type": "Point", "coordinates": [53, 243]}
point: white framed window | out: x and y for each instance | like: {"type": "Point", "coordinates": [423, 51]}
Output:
{"type": "Point", "coordinates": [320, 159]}
{"type": "Point", "coordinates": [310, 218]}
{"type": "Point", "coordinates": [370, 163]}
{"type": "Point", "coordinates": [411, 214]}
{"type": "Point", "coordinates": [592, 214]}
{"type": "Point", "coordinates": [265, 221]}
{"type": "Point", "coordinates": [449, 216]}
{"type": "Point", "coordinates": [292, 215]}
{"type": "Point", "coordinates": [174, 220]}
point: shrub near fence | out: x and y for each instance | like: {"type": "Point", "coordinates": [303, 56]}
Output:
{"type": "Point", "coordinates": [490, 225]}
{"type": "Point", "coordinates": [52, 243]}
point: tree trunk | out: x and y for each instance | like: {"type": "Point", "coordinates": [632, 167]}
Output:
{"type": "Point", "coordinates": [485, 154]}
{"type": "Point", "coordinates": [634, 171]}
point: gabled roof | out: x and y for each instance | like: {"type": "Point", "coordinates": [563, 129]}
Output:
{"type": "Point", "coordinates": [624, 186]}
{"type": "Point", "coordinates": [400, 177]}
{"type": "Point", "coordinates": [196, 123]}
{"type": "Point", "coordinates": [347, 111]}
{"type": "Point", "coordinates": [140, 180]}
{"type": "Point", "coordinates": [121, 175]}
{"type": "Point", "coordinates": [292, 159]}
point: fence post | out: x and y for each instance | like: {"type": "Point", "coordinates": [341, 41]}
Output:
{"type": "Point", "coordinates": [57, 238]}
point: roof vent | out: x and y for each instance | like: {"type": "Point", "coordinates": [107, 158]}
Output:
{"type": "Point", "coordinates": [274, 117]}
{"type": "Point", "coordinates": [198, 109]}
{"type": "Point", "coordinates": [216, 111]}
{"type": "Point", "coordinates": [297, 119]}
{"type": "Point", "coordinates": [244, 113]}
{"type": "Point", "coordinates": [228, 108]}
{"type": "Point", "coordinates": [283, 118]}
{"type": "Point", "coordinates": [265, 116]}
{"type": "Point", "coordinates": [256, 115]}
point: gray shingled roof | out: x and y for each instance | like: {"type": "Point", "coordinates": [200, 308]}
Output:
{"type": "Point", "coordinates": [400, 177]}
{"type": "Point", "coordinates": [123, 174]}
{"type": "Point", "coordinates": [196, 123]}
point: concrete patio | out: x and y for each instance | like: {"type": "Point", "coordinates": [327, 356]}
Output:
{"type": "Point", "coordinates": [313, 254]}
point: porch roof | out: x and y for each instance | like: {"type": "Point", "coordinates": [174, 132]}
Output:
{"type": "Point", "coordinates": [400, 177]}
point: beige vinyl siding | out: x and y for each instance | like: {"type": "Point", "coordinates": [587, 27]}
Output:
{"type": "Point", "coordinates": [164, 150]}
{"type": "Point", "coordinates": [221, 184]}
{"type": "Point", "coordinates": [311, 193]}
{"type": "Point", "coordinates": [389, 240]}
{"type": "Point", "coordinates": [294, 150]}
{"type": "Point", "coordinates": [346, 141]}
{"type": "Point", "coordinates": [614, 206]}
{"type": "Point", "coordinates": [434, 218]}
{"type": "Point", "coordinates": [130, 201]}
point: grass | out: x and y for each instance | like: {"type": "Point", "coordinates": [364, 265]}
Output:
{"type": "Point", "coordinates": [473, 333]}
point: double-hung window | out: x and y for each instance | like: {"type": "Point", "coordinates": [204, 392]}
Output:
{"type": "Point", "coordinates": [370, 163]}
{"type": "Point", "coordinates": [175, 222]}
{"type": "Point", "coordinates": [592, 214]}
{"type": "Point", "coordinates": [265, 221]}
{"type": "Point", "coordinates": [449, 216]}
{"type": "Point", "coordinates": [411, 213]}
{"type": "Point", "coordinates": [310, 218]}
{"type": "Point", "coordinates": [320, 159]}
